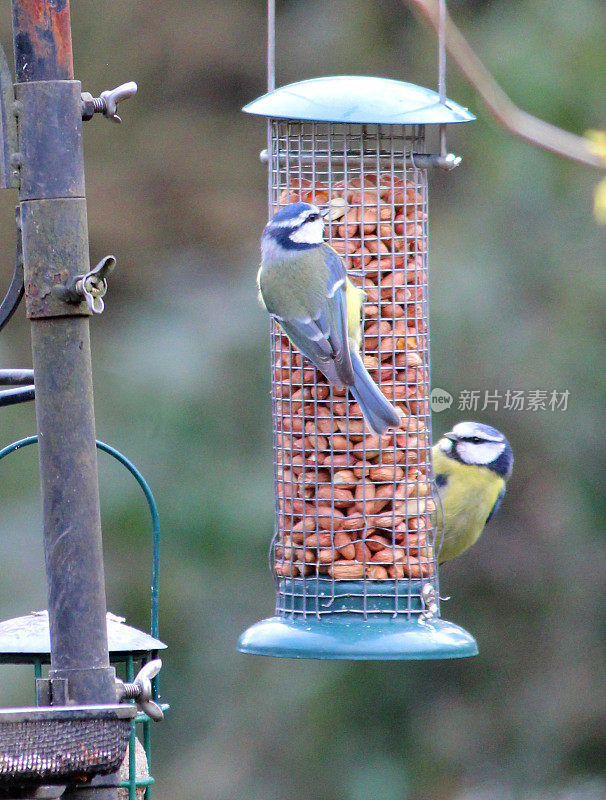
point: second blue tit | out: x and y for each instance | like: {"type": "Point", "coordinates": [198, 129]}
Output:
{"type": "Point", "coordinates": [304, 286]}
{"type": "Point", "coordinates": [472, 464]}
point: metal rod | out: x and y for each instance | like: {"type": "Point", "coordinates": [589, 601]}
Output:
{"type": "Point", "coordinates": [271, 45]}
{"type": "Point", "coordinates": [353, 157]}
{"type": "Point", "coordinates": [442, 69]}
{"type": "Point", "coordinates": [153, 510]}
{"type": "Point", "coordinates": [11, 397]}
{"type": "Point", "coordinates": [53, 208]}
{"type": "Point", "coordinates": [16, 377]}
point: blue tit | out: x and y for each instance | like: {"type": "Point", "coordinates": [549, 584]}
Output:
{"type": "Point", "coordinates": [471, 465]}
{"type": "Point", "coordinates": [304, 286]}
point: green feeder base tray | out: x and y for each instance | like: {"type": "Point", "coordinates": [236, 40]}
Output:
{"type": "Point", "coordinates": [357, 639]}
{"type": "Point", "coordinates": [346, 633]}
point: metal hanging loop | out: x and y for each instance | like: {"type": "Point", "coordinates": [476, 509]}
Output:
{"type": "Point", "coordinates": [443, 160]}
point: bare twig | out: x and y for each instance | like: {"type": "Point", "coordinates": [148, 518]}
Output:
{"type": "Point", "coordinates": [518, 122]}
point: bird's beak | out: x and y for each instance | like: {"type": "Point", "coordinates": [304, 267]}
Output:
{"type": "Point", "coordinates": [325, 212]}
{"type": "Point", "coordinates": [451, 437]}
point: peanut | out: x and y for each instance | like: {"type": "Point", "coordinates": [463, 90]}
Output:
{"type": "Point", "coordinates": [330, 518]}
{"type": "Point", "coordinates": [346, 570]}
{"type": "Point", "coordinates": [345, 477]}
{"type": "Point", "coordinates": [353, 522]}
{"type": "Point", "coordinates": [376, 542]}
{"type": "Point", "coordinates": [376, 572]}
{"type": "Point", "coordinates": [304, 555]}
{"type": "Point", "coordinates": [318, 540]}
{"type": "Point", "coordinates": [286, 569]}
{"type": "Point", "coordinates": [342, 498]}
{"type": "Point", "coordinates": [388, 555]}
{"type": "Point", "coordinates": [362, 553]}
{"type": "Point", "coordinates": [344, 545]}
{"type": "Point", "coordinates": [326, 555]}
{"type": "Point", "coordinates": [378, 474]}
{"type": "Point", "coordinates": [416, 569]}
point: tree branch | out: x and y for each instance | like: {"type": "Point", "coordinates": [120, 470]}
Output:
{"type": "Point", "coordinates": [518, 122]}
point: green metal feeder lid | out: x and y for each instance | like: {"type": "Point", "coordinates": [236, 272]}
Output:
{"type": "Point", "coordinates": [29, 635]}
{"type": "Point", "coordinates": [357, 99]}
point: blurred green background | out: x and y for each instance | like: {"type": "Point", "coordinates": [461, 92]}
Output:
{"type": "Point", "coordinates": [181, 372]}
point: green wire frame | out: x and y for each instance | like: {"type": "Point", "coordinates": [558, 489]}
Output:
{"type": "Point", "coordinates": [132, 783]}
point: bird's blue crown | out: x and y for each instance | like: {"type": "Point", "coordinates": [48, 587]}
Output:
{"type": "Point", "coordinates": [291, 212]}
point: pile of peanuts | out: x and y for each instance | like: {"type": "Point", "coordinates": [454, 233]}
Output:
{"type": "Point", "coordinates": [353, 505]}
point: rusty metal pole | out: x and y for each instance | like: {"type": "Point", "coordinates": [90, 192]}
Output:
{"type": "Point", "coordinates": [55, 250]}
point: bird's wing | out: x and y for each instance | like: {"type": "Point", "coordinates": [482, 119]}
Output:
{"type": "Point", "coordinates": [312, 311]}
{"type": "Point", "coordinates": [322, 334]}
{"type": "Point", "coordinates": [311, 340]}
{"type": "Point", "coordinates": [496, 506]}
{"type": "Point", "coordinates": [332, 316]}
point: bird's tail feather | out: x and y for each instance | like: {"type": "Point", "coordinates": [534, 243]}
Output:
{"type": "Point", "coordinates": [376, 408]}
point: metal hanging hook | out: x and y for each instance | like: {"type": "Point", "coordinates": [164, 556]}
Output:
{"type": "Point", "coordinates": [107, 102]}
{"type": "Point", "coordinates": [140, 690]}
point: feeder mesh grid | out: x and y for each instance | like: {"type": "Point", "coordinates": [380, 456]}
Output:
{"type": "Point", "coordinates": [349, 505]}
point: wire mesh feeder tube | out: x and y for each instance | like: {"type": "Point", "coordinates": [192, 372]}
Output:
{"type": "Point", "coordinates": [354, 546]}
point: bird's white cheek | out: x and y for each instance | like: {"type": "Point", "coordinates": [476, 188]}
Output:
{"type": "Point", "coordinates": [309, 233]}
{"type": "Point", "coordinates": [481, 454]}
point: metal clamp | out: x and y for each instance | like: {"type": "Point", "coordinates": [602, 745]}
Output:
{"type": "Point", "coordinates": [140, 690]}
{"type": "Point", "coordinates": [446, 162]}
{"type": "Point", "coordinates": [107, 102]}
{"type": "Point", "coordinates": [92, 286]}
{"type": "Point", "coordinates": [430, 601]}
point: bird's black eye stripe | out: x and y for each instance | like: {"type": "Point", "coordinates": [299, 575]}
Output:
{"type": "Point", "coordinates": [473, 439]}
{"type": "Point", "coordinates": [312, 217]}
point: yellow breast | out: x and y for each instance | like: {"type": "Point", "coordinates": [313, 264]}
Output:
{"type": "Point", "coordinates": [355, 299]}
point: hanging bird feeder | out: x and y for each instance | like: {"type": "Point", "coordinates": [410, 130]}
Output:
{"type": "Point", "coordinates": [135, 656]}
{"type": "Point", "coordinates": [355, 549]}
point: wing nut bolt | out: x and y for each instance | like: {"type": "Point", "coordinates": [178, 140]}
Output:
{"type": "Point", "coordinates": [91, 287]}
{"type": "Point", "coordinates": [140, 690]}
{"type": "Point", "coordinates": [107, 102]}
